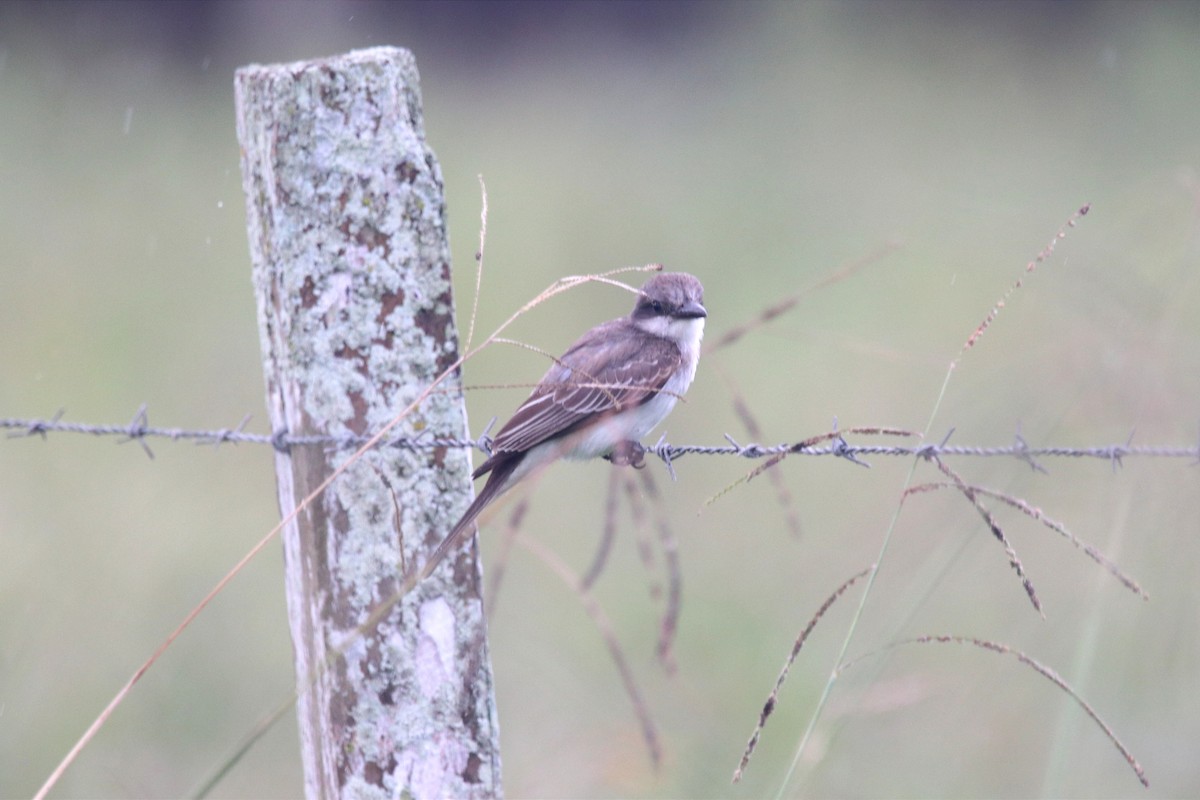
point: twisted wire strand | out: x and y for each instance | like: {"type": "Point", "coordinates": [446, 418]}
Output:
{"type": "Point", "coordinates": [139, 429]}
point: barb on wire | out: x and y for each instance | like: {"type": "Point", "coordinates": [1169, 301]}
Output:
{"type": "Point", "coordinates": [832, 443]}
{"type": "Point", "coordinates": [841, 447]}
{"type": "Point", "coordinates": [1022, 452]}
{"type": "Point", "coordinates": [137, 430]}
{"type": "Point", "coordinates": [226, 434]}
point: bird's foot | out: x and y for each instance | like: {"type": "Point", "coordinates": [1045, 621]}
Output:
{"type": "Point", "coordinates": [628, 453]}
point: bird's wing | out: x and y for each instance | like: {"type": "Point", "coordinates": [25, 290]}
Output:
{"type": "Point", "coordinates": [602, 373]}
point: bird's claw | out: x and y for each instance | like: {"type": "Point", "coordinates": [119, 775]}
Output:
{"type": "Point", "coordinates": [628, 454]}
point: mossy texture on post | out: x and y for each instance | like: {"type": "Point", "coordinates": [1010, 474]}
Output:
{"type": "Point", "coordinates": [351, 270]}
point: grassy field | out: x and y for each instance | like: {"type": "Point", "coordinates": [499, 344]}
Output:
{"type": "Point", "coordinates": [761, 147]}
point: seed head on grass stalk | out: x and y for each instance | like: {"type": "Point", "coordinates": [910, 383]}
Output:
{"type": "Point", "coordinates": [769, 705]}
{"type": "Point", "coordinates": [1036, 666]}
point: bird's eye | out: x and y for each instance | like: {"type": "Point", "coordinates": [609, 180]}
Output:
{"type": "Point", "coordinates": [656, 306]}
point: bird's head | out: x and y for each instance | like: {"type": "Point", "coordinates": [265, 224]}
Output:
{"type": "Point", "coordinates": [671, 305]}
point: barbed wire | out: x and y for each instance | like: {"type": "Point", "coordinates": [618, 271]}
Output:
{"type": "Point", "coordinates": [832, 443]}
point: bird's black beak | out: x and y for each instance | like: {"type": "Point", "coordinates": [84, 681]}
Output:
{"type": "Point", "coordinates": [691, 310]}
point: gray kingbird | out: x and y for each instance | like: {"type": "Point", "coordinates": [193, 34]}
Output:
{"type": "Point", "coordinates": [611, 388]}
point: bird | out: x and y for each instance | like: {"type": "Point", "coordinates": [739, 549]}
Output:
{"type": "Point", "coordinates": [614, 385]}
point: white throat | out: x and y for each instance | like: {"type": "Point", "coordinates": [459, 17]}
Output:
{"type": "Point", "coordinates": [685, 332]}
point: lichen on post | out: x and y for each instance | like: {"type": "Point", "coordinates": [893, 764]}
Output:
{"type": "Point", "coordinates": [351, 271]}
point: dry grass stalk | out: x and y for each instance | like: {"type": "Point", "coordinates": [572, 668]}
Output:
{"type": "Point", "coordinates": [769, 705]}
{"type": "Point", "coordinates": [1036, 666]}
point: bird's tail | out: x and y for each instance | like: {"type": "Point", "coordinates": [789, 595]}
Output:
{"type": "Point", "coordinates": [496, 484]}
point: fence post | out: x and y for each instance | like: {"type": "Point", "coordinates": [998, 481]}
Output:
{"type": "Point", "coordinates": [351, 271]}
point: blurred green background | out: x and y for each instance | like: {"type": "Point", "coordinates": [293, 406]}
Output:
{"type": "Point", "coordinates": [759, 146]}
